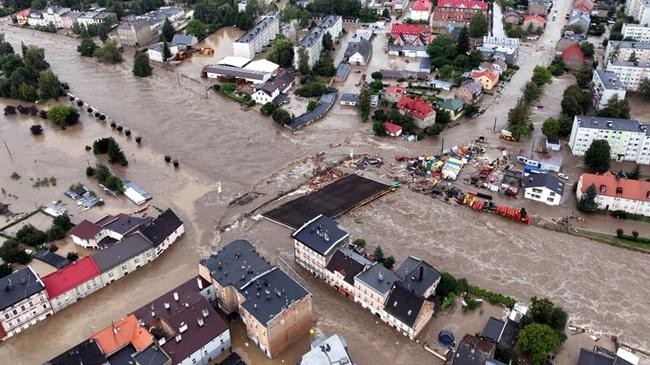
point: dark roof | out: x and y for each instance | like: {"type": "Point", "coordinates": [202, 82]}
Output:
{"type": "Point", "coordinates": [124, 223]}
{"type": "Point", "coordinates": [236, 264]}
{"type": "Point", "coordinates": [85, 353]}
{"type": "Point", "coordinates": [321, 234]}
{"type": "Point", "coordinates": [323, 106]}
{"type": "Point", "coordinates": [379, 278]}
{"type": "Point", "coordinates": [86, 229]}
{"type": "Point", "coordinates": [161, 227]}
{"type": "Point", "coordinates": [233, 359]}
{"type": "Point", "coordinates": [272, 293]}
{"type": "Point", "coordinates": [410, 271]}
{"type": "Point", "coordinates": [18, 285]}
{"type": "Point", "coordinates": [493, 329]}
{"type": "Point", "coordinates": [592, 358]}
{"type": "Point", "coordinates": [350, 97]}
{"type": "Point", "coordinates": [343, 70]}
{"type": "Point", "coordinates": [473, 351]}
{"type": "Point", "coordinates": [280, 82]}
{"type": "Point", "coordinates": [363, 46]}
{"type": "Point", "coordinates": [123, 356]}
{"type": "Point", "coordinates": [152, 355]}
{"type": "Point", "coordinates": [549, 181]}
{"type": "Point", "coordinates": [347, 263]}
{"type": "Point", "coordinates": [404, 305]}
{"type": "Point", "coordinates": [122, 251]}
{"type": "Point", "coordinates": [509, 335]}
{"type": "Point", "coordinates": [52, 259]}
{"type": "Point", "coordinates": [629, 125]}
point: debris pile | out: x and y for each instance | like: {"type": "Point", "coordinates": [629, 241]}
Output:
{"type": "Point", "coordinates": [323, 177]}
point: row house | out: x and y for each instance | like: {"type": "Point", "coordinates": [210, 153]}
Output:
{"type": "Point", "coordinates": [407, 312]}
{"type": "Point", "coordinates": [423, 113]}
{"type": "Point", "coordinates": [629, 140]}
{"type": "Point", "coordinates": [106, 231]}
{"type": "Point", "coordinates": [258, 37]}
{"type": "Point", "coordinates": [617, 193]}
{"type": "Point", "coordinates": [344, 265]}
{"type": "Point", "coordinates": [54, 15]}
{"type": "Point", "coordinates": [420, 10]}
{"type": "Point", "coordinates": [456, 12]}
{"type": "Point", "coordinates": [500, 47]}
{"type": "Point", "coordinates": [640, 33]}
{"type": "Point", "coordinates": [409, 40]}
{"type": "Point", "coordinates": [488, 77]}
{"type": "Point", "coordinates": [312, 43]}
{"type": "Point", "coordinates": [275, 309]}
{"type": "Point", "coordinates": [72, 283]}
{"type": "Point", "coordinates": [315, 243]}
{"type": "Point", "coordinates": [163, 231]}
{"type": "Point", "coordinates": [124, 335]}
{"type": "Point", "coordinates": [373, 286]}
{"type": "Point", "coordinates": [605, 86]}
{"type": "Point", "coordinates": [23, 302]}
{"type": "Point", "coordinates": [124, 257]}
{"type": "Point", "coordinates": [135, 33]}
{"type": "Point", "coordinates": [469, 91]}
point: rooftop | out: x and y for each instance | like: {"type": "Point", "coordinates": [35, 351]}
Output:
{"type": "Point", "coordinates": [628, 44]}
{"type": "Point", "coordinates": [473, 351]}
{"type": "Point", "coordinates": [347, 263]}
{"type": "Point", "coordinates": [255, 31]}
{"type": "Point", "coordinates": [128, 184]}
{"type": "Point", "coordinates": [327, 351]}
{"type": "Point", "coordinates": [463, 4]}
{"type": "Point", "coordinates": [262, 65]}
{"type": "Point", "coordinates": [392, 127]}
{"type": "Point", "coordinates": [419, 108]}
{"type": "Point", "coordinates": [629, 125]}
{"type": "Point", "coordinates": [324, 104]}
{"type": "Point", "coordinates": [311, 38]}
{"type": "Point", "coordinates": [121, 251]}
{"type": "Point", "coordinates": [124, 223]}
{"type": "Point", "coordinates": [408, 29]}
{"type": "Point", "coordinates": [162, 227]}
{"type": "Point", "coordinates": [378, 278]}
{"type": "Point", "coordinates": [493, 329]}
{"type": "Point", "coordinates": [421, 5]}
{"type": "Point", "coordinates": [121, 333]}
{"type": "Point", "coordinates": [86, 230]}
{"type": "Point", "coordinates": [152, 355]}
{"type": "Point", "coordinates": [450, 104]}
{"type": "Point", "coordinates": [236, 264]}
{"type": "Point", "coordinates": [233, 61]}
{"type": "Point", "coordinates": [594, 358]}
{"type": "Point", "coordinates": [362, 46]}
{"type": "Point", "coordinates": [18, 285]}
{"type": "Point", "coordinates": [549, 181]}
{"type": "Point", "coordinates": [85, 353]}
{"type": "Point", "coordinates": [610, 185]}
{"type": "Point", "coordinates": [404, 304]}
{"type": "Point", "coordinates": [417, 275]}
{"type": "Point", "coordinates": [609, 79]}
{"type": "Point", "coordinates": [271, 293]}
{"type": "Point", "coordinates": [350, 97]}
{"type": "Point", "coordinates": [71, 276]}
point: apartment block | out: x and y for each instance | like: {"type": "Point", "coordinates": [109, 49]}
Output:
{"type": "Point", "coordinates": [629, 73]}
{"type": "Point", "coordinates": [312, 43]}
{"type": "Point", "coordinates": [639, 33]}
{"type": "Point", "coordinates": [606, 85]}
{"type": "Point", "coordinates": [627, 51]}
{"type": "Point", "coordinates": [639, 10]}
{"type": "Point", "coordinates": [258, 37]}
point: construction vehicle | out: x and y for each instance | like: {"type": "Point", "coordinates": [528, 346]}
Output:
{"type": "Point", "coordinates": [507, 135]}
{"type": "Point", "coordinates": [519, 215]}
{"type": "Point", "coordinates": [472, 200]}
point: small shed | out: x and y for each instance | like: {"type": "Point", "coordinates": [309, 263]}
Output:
{"type": "Point", "coordinates": [553, 144]}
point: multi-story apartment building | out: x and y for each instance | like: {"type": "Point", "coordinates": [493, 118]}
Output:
{"type": "Point", "coordinates": [258, 37]}
{"type": "Point", "coordinates": [124, 257]}
{"type": "Point", "coordinates": [23, 302]}
{"type": "Point", "coordinates": [134, 33]}
{"type": "Point", "coordinates": [639, 10]}
{"type": "Point", "coordinates": [406, 311]}
{"type": "Point", "coordinates": [344, 265]}
{"type": "Point", "coordinates": [605, 85]}
{"type": "Point", "coordinates": [312, 43]}
{"type": "Point", "coordinates": [640, 33]}
{"type": "Point", "coordinates": [373, 286]}
{"type": "Point", "coordinates": [629, 73]}
{"type": "Point", "coordinates": [315, 243]}
{"type": "Point", "coordinates": [53, 15]}
{"type": "Point", "coordinates": [617, 193]}
{"type": "Point", "coordinates": [629, 140]}
{"type": "Point", "coordinates": [627, 51]}
{"type": "Point", "coordinates": [163, 231]}
{"type": "Point", "coordinates": [73, 282]}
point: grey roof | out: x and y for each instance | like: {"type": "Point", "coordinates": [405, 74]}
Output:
{"type": "Point", "coordinates": [350, 97]}
{"type": "Point", "coordinates": [379, 278]}
{"type": "Point", "coordinates": [270, 294]}
{"type": "Point", "coordinates": [311, 38]}
{"type": "Point", "coordinates": [629, 125]}
{"type": "Point", "coordinates": [473, 86]}
{"type": "Point", "coordinates": [121, 251]}
{"type": "Point", "coordinates": [51, 258]}
{"type": "Point", "coordinates": [152, 355]}
{"type": "Point", "coordinates": [329, 21]}
{"type": "Point", "coordinates": [320, 234]}
{"type": "Point", "coordinates": [124, 223]}
{"type": "Point", "coordinates": [237, 72]}
{"type": "Point", "coordinates": [549, 181]}
{"type": "Point", "coordinates": [629, 44]}
{"type": "Point", "coordinates": [406, 47]}
{"type": "Point", "coordinates": [347, 263]}
{"type": "Point", "coordinates": [182, 39]}
{"type": "Point", "coordinates": [493, 329]}
{"type": "Point", "coordinates": [609, 79]}
{"type": "Point", "coordinates": [130, 184]}
{"type": "Point", "coordinates": [86, 353]}
{"type": "Point", "coordinates": [425, 63]}
{"type": "Point", "coordinates": [162, 227]}
{"type": "Point", "coordinates": [122, 356]}
{"type": "Point", "coordinates": [18, 285]}
{"type": "Point", "coordinates": [593, 358]}
{"type": "Point", "coordinates": [404, 304]}
{"type": "Point", "coordinates": [255, 31]}
{"type": "Point", "coordinates": [472, 351]}
{"type": "Point", "coordinates": [343, 70]}
{"type": "Point", "coordinates": [410, 271]}
{"type": "Point", "coordinates": [236, 264]}
{"type": "Point", "coordinates": [336, 352]}
{"type": "Point", "coordinates": [280, 82]}
{"type": "Point", "coordinates": [509, 335]}
{"type": "Point", "coordinates": [403, 74]}
{"type": "Point", "coordinates": [324, 104]}
{"type": "Point", "coordinates": [362, 46]}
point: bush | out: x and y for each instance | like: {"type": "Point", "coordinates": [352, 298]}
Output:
{"type": "Point", "coordinates": [312, 89]}
{"type": "Point", "coordinates": [359, 242]}
{"type": "Point", "coordinates": [72, 256]}
{"type": "Point", "coordinates": [36, 129]}
{"type": "Point", "coordinates": [63, 115]}
{"type": "Point", "coordinates": [11, 252]}
{"type": "Point", "coordinates": [268, 109]}
{"type": "Point", "coordinates": [471, 304]}
{"type": "Point", "coordinates": [619, 233]}
{"type": "Point", "coordinates": [55, 233]}
{"type": "Point", "coordinates": [63, 221]}
{"type": "Point", "coordinates": [449, 300]}
{"type": "Point", "coordinates": [90, 172]}
{"type": "Point", "coordinates": [53, 247]}
{"type": "Point", "coordinates": [448, 284]}
{"type": "Point", "coordinates": [5, 270]}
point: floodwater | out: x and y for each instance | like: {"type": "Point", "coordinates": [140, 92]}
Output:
{"type": "Point", "coordinates": [216, 142]}
{"type": "Point", "coordinates": [497, 20]}
{"type": "Point", "coordinates": [221, 42]}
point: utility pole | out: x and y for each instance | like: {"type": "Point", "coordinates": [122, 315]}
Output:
{"type": "Point", "coordinates": [494, 128]}
{"type": "Point", "coordinates": [442, 146]}
{"type": "Point", "coordinates": [7, 147]}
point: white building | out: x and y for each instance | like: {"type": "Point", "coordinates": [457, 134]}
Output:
{"type": "Point", "coordinates": [53, 15]}
{"type": "Point", "coordinates": [629, 73]}
{"type": "Point", "coordinates": [270, 90]}
{"type": "Point", "coordinates": [420, 10]}
{"type": "Point", "coordinates": [312, 43]}
{"type": "Point", "coordinates": [625, 50]}
{"type": "Point", "coordinates": [241, 69]}
{"type": "Point", "coordinates": [639, 10]}
{"type": "Point", "coordinates": [628, 139]}
{"type": "Point", "coordinates": [315, 243]}
{"type": "Point", "coordinates": [135, 193]}
{"type": "Point", "coordinates": [337, 353]}
{"type": "Point", "coordinates": [503, 47]}
{"type": "Point", "coordinates": [73, 282]}
{"type": "Point", "coordinates": [23, 302]}
{"type": "Point", "coordinates": [95, 17]}
{"type": "Point", "coordinates": [614, 193]}
{"type": "Point", "coordinates": [258, 37]}
{"type": "Point", "coordinates": [640, 33]}
{"type": "Point", "coordinates": [605, 85]}
{"type": "Point", "coordinates": [544, 188]}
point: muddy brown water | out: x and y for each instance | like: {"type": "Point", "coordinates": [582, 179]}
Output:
{"type": "Point", "coordinates": [216, 141]}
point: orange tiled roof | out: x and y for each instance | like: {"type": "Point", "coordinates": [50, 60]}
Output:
{"type": "Point", "coordinates": [607, 184]}
{"type": "Point", "coordinates": [487, 73]}
{"type": "Point", "coordinates": [121, 333]}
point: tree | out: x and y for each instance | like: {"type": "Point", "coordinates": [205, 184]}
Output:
{"type": "Point", "coordinates": [598, 155]}
{"type": "Point", "coordinates": [245, 20]}
{"type": "Point", "coordinates": [379, 254]}
{"type": "Point", "coordinates": [633, 58]}
{"type": "Point", "coordinates": [532, 92]}
{"type": "Point", "coordinates": [584, 77]}
{"type": "Point", "coordinates": [541, 76]}
{"type": "Point", "coordinates": [72, 256]}
{"type": "Point", "coordinates": [462, 45]}
{"type": "Point", "coordinates": [141, 66]}
{"type": "Point", "coordinates": [551, 128]}
{"type": "Point", "coordinates": [31, 236]}
{"type": "Point", "coordinates": [48, 85]}
{"type": "Point", "coordinates": [328, 44]}
{"type": "Point", "coordinates": [36, 129]}
{"type": "Point", "coordinates": [311, 105]}
{"type": "Point", "coordinates": [87, 47]}
{"type": "Point", "coordinates": [38, 4]}
{"type": "Point", "coordinates": [168, 31]}
{"type": "Point", "coordinates": [109, 53]}
{"type": "Point", "coordinates": [644, 89]}
{"type": "Point", "coordinates": [446, 72]}
{"type": "Point", "coordinates": [268, 109]}
{"type": "Point", "coordinates": [587, 48]}
{"type": "Point", "coordinates": [5, 270]}
{"type": "Point", "coordinates": [538, 342]}
{"type": "Point", "coordinates": [557, 67]}
{"type": "Point", "coordinates": [378, 128]}
{"type": "Point", "coordinates": [325, 65]}
{"type": "Point", "coordinates": [442, 50]}
{"type": "Point", "coordinates": [478, 26]}
{"type": "Point", "coordinates": [615, 108]}
{"type": "Point", "coordinates": [197, 28]}
{"type": "Point", "coordinates": [364, 102]}
{"type": "Point", "coordinates": [34, 59]}
{"type": "Point", "coordinates": [281, 116]}
{"type": "Point", "coordinates": [519, 120]}
{"type": "Point", "coordinates": [55, 233]}
{"type": "Point", "coordinates": [115, 154]}
{"type": "Point", "coordinates": [12, 252]}
{"type": "Point", "coordinates": [63, 115]}
{"type": "Point", "coordinates": [573, 101]}
{"type": "Point", "coordinates": [389, 262]}
{"type": "Point", "coordinates": [166, 52]}
{"type": "Point", "coordinates": [281, 52]}
{"type": "Point", "coordinates": [303, 61]}
{"type": "Point", "coordinates": [63, 221]}
{"type": "Point", "coordinates": [443, 117]}
{"type": "Point", "coordinates": [448, 284]}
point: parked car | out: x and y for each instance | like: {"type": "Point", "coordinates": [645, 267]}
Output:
{"type": "Point", "coordinates": [562, 175]}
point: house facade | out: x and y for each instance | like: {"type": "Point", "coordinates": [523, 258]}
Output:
{"type": "Point", "coordinates": [630, 73]}
{"type": "Point", "coordinates": [627, 51]}
{"type": "Point", "coordinates": [456, 12]}
{"type": "Point", "coordinates": [315, 243]}
{"type": "Point", "coordinates": [617, 193]}
{"type": "Point", "coordinates": [344, 265]}
{"type": "Point", "coordinates": [469, 92]}
{"type": "Point", "coordinates": [606, 85]}
{"type": "Point", "coordinates": [124, 257]}
{"type": "Point", "coordinates": [73, 282]}
{"type": "Point", "coordinates": [503, 47]}
{"type": "Point", "coordinates": [639, 10]}
{"type": "Point", "coordinates": [359, 52]}
{"type": "Point", "coordinates": [373, 286]}
{"type": "Point", "coordinates": [422, 112]}
{"type": "Point", "coordinates": [134, 33]}
{"type": "Point", "coordinates": [258, 37]}
{"type": "Point", "coordinates": [488, 78]}
{"type": "Point", "coordinates": [270, 90]}
{"type": "Point", "coordinates": [407, 312]}
{"type": "Point", "coordinates": [163, 231]}
{"type": "Point", "coordinates": [544, 188]}
{"type": "Point", "coordinates": [640, 33]}
{"type": "Point", "coordinates": [393, 93]}
{"type": "Point", "coordinates": [453, 106]}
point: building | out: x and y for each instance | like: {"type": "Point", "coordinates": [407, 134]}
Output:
{"type": "Point", "coordinates": [627, 51]}
{"type": "Point", "coordinates": [422, 112]}
{"type": "Point", "coordinates": [53, 14]}
{"type": "Point", "coordinates": [23, 16]}
{"type": "Point", "coordinates": [268, 91]}
{"type": "Point", "coordinates": [573, 57]}
{"type": "Point", "coordinates": [473, 351]}
{"type": "Point", "coordinates": [407, 311]}
{"type": "Point", "coordinates": [539, 7]}
{"type": "Point", "coordinates": [420, 10]}
{"type": "Point", "coordinates": [639, 10]}
{"type": "Point", "coordinates": [312, 43]}
{"type": "Point", "coordinates": [418, 277]}
{"type": "Point", "coordinates": [86, 353]}
{"type": "Point", "coordinates": [358, 53]}
{"type": "Point", "coordinates": [544, 188]}
{"type": "Point", "coordinates": [392, 129]}
{"type": "Point", "coordinates": [512, 17]}
{"type": "Point", "coordinates": [341, 269]}
{"type": "Point", "coordinates": [456, 12]}
{"type": "Point", "coordinates": [240, 70]}
{"type": "Point", "coordinates": [134, 33]}
{"type": "Point", "coordinates": [631, 74]}
{"type": "Point", "coordinates": [258, 36]}
{"type": "Point", "coordinates": [470, 91]}
{"type": "Point", "coordinates": [628, 139]}
{"type": "Point", "coordinates": [163, 231]}
{"type": "Point", "coordinates": [588, 5]}
{"type": "Point", "coordinates": [315, 243]}
{"type": "Point", "coordinates": [349, 99]}
{"type": "Point", "coordinates": [106, 231]}
{"type": "Point", "coordinates": [605, 85]}
{"type": "Point", "coordinates": [69, 19]}
{"type": "Point", "coordinates": [579, 19]}
{"type": "Point", "coordinates": [389, 74]}
{"type": "Point", "coordinates": [503, 47]}
{"type": "Point", "coordinates": [122, 339]}
{"type": "Point", "coordinates": [94, 17]}
{"type": "Point", "coordinates": [179, 43]}
{"type": "Point", "coordinates": [23, 302]}
{"type": "Point", "coordinates": [617, 193]}
{"type": "Point", "coordinates": [185, 325]}
{"type": "Point", "coordinates": [324, 104]}
{"type": "Point", "coordinates": [488, 78]}
{"type": "Point", "coordinates": [534, 22]}
{"type": "Point", "coordinates": [493, 330]}
{"type": "Point", "coordinates": [135, 193]}
{"type": "Point", "coordinates": [393, 93]}
{"type": "Point", "coordinates": [156, 18]}
{"type": "Point", "coordinates": [600, 357]}
{"type": "Point", "coordinates": [373, 286]}
{"type": "Point", "coordinates": [124, 257]}
{"type": "Point", "coordinates": [541, 161]}
{"type": "Point", "coordinates": [327, 351]}
{"type": "Point", "coordinates": [73, 282]}
{"type": "Point", "coordinates": [553, 144]}
{"type": "Point", "coordinates": [640, 33]}
{"type": "Point", "coordinates": [409, 40]}
{"type": "Point", "coordinates": [275, 309]}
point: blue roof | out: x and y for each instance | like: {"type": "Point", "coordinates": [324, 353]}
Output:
{"type": "Point", "coordinates": [321, 234]}
{"type": "Point", "coordinates": [183, 39]}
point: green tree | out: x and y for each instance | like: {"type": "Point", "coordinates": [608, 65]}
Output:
{"type": "Point", "coordinates": [565, 124]}
{"type": "Point", "coordinates": [359, 242]}
{"type": "Point", "coordinates": [588, 201]}
{"type": "Point", "coordinates": [34, 59]}
{"type": "Point", "coordinates": [615, 108]}
{"type": "Point", "coordinates": [598, 155]}
{"type": "Point", "coordinates": [447, 72]}
{"type": "Point", "coordinates": [389, 262]}
{"type": "Point", "coordinates": [328, 44]}
{"type": "Point", "coordinates": [633, 58]}
{"type": "Point", "coordinates": [538, 342]}
{"type": "Point", "coordinates": [584, 77]}
{"type": "Point", "coordinates": [281, 52]}
{"type": "Point", "coordinates": [541, 76]}
{"type": "Point", "coordinates": [551, 128]}
{"type": "Point", "coordinates": [55, 233]}
{"type": "Point", "coordinates": [532, 92]}
{"type": "Point", "coordinates": [12, 252]}
{"type": "Point", "coordinates": [587, 48]}
{"type": "Point", "coordinates": [442, 50]}
{"type": "Point", "coordinates": [364, 102]}
{"type": "Point", "coordinates": [87, 47]}
{"type": "Point", "coordinates": [115, 154]}
{"type": "Point", "coordinates": [281, 116]}
{"type": "Point", "coordinates": [63, 115]}
{"type": "Point", "coordinates": [197, 28]}
{"type": "Point", "coordinates": [10, 63]}
{"type": "Point", "coordinates": [245, 20]}
{"type": "Point", "coordinates": [63, 221]}
{"type": "Point", "coordinates": [462, 45]}
{"type": "Point", "coordinates": [443, 117]}
{"type": "Point", "coordinates": [109, 53]}
{"type": "Point", "coordinates": [31, 236]}
{"type": "Point", "coordinates": [379, 254]}
{"type": "Point", "coordinates": [5, 270]}
{"type": "Point", "coordinates": [478, 25]}
{"type": "Point", "coordinates": [141, 66]}
{"type": "Point", "coordinates": [168, 31]}
{"type": "Point", "coordinates": [27, 93]}
{"type": "Point", "coordinates": [166, 52]}
{"type": "Point", "coordinates": [48, 85]}
{"type": "Point", "coordinates": [72, 256]}
{"type": "Point", "coordinates": [38, 4]}
{"type": "Point", "coordinates": [573, 101]}
{"type": "Point", "coordinates": [448, 284]}
{"type": "Point", "coordinates": [378, 128]}
{"type": "Point", "coordinates": [303, 62]}
{"type": "Point", "coordinates": [311, 105]}
{"type": "Point", "coordinates": [325, 65]}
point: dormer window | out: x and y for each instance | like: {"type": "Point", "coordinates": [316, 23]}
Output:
{"type": "Point", "coordinates": [619, 190]}
{"type": "Point", "coordinates": [603, 188]}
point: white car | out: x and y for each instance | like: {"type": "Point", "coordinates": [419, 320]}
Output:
{"type": "Point", "coordinates": [562, 176]}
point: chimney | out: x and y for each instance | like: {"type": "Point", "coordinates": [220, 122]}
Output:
{"type": "Point", "coordinates": [199, 283]}
{"type": "Point", "coordinates": [205, 313]}
{"type": "Point", "coordinates": [153, 314]}
{"type": "Point", "coordinates": [421, 273]}
{"type": "Point", "coordinates": [178, 338]}
{"type": "Point", "coordinates": [380, 276]}
{"type": "Point", "coordinates": [176, 296]}
{"type": "Point", "coordinates": [166, 305]}
{"type": "Point", "coordinates": [200, 322]}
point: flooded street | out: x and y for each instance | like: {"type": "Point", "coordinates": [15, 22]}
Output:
{"type": "Point", "coordinates": [599, 285]}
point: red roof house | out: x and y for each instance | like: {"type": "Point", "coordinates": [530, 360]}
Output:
{"type": "Point", "coordinates": [23, 15]}
{"type": "Point", "coordinates": [608, 184]}
{"type": "Point", "coordinates": [584, 5]}
{"type": "Point", "coordinates": [573, 57]}
{"type": "Point", "coordinates": [392, 129]}
{"type": "Point", "coordinates": [422, 111]}
{"type": "Point", "coordinates": [415, 34]}
{"type": "Point", "coordinates": [537, 21]}
{"type": "Point", "coordinates": [463, 4]}
{"type": "Point", "coordinates": [456, 12]}
{"type": "Point", "coordinates": [86, 230]}
{"type": "Point", "coordinates": [421, 5]}
{"type": "Point", "coordinates": [73, 282]}
{"type": "Point", "coordinates": [393, 92]}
